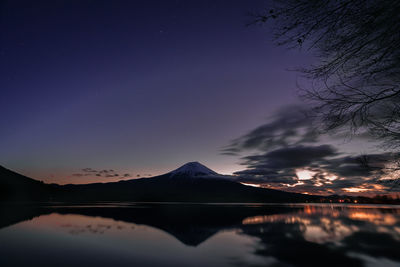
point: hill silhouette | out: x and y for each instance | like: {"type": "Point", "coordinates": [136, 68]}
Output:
{"type": "Point", "coordinates": [192, 182]}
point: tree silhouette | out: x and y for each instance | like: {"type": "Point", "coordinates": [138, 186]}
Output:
{"type": "Point", "coordinates": [356, 85]}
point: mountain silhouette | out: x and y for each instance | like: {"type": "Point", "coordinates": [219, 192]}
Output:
{"type": "Point", "coordinates": [14, 186]}
{"type": "Point", "coordinates": [192, 182]}
{"type": "Point", "coordinates": [191, 224]}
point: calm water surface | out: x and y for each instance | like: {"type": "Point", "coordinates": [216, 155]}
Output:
{"type": "Point", "coordinates": [129, 234]}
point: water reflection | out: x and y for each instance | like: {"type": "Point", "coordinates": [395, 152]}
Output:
{"type": "Point", "coordinates": [322, 224]}
{"type": "Point", "coordinates": [200, 235]}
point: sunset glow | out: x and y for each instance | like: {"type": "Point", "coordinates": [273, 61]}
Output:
{"type": "Point", "coordinates": [305, 174]}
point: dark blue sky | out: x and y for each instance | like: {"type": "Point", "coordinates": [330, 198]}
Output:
{"type": "Point", "coordinates": [135, 86]}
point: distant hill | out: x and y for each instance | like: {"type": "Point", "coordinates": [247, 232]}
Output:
{"type": "Point", "coordinates": [193, 182]}
{"type": "Point", "coordinates": [14, 186]}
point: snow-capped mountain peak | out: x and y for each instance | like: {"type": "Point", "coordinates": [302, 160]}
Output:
{"type": "Point", "coordinates": [194, 169]}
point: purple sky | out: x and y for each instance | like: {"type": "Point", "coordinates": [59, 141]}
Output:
{"type": "Point", "coordinates": [139, 86]}
{"type": "Point", "coordinates": [142, 87]}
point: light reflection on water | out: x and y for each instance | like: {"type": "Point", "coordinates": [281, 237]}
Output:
{"type": "Point", "coordinates": [200, 235]}
{"type": "Point", "coordinates": [321, 224]}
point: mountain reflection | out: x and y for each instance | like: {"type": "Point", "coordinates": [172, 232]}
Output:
{"type": "Point", "coordinates": [287, 235]}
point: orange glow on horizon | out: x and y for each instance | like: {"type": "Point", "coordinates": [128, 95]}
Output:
{"type": "Point", "coordinates": [356, 189]}
{"type": "Point", "coordinates": [305, 174]}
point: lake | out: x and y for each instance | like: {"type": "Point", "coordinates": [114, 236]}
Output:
{"type": "Point", "coordinates": [156, 234]}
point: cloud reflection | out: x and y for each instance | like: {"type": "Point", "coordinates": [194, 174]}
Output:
{"type": "Point", "coordinates": [284, 235]}
{"type": "Point", "coordinates": [322, 225]}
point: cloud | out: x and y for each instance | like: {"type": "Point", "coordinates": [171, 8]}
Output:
{"type": "Point", "coordinates": [367, 165]}
{"type": "Point", "coordinates": [290, 157]}
{"type": "Point", "coordinates": [289, 143]}
{"type": "Point", "coordinates": [88, 170]}
{"type": "Point", "coordinates": [328, 171]}
{"type": "Point", "coordinates": [290, 126]}
{"type": "Point", "coordinates": [107, 173]}
{"type": "Point", "coordinates": [290, 152]}
{"type": "Point", "coordinates": [280, 165]}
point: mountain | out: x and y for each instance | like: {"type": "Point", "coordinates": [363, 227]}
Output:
{"type": "Point", "coordinates": [192, 182]}
{"type": "Point", "coordinates": [14, 186]}
{"type": "Point", "coordinates": [193, 169]}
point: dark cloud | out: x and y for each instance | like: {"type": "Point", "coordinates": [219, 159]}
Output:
{"type": "Point", "coordinates": [290, 157]}
{"type": "Point", "coordinates": [291, 142]}
{"type": "Point", "coordinates": [107, 173]}
{"type": "Point", "coordinates": [290, 126]}
{"type": "Point", "coordinates": [268, 179]}
{"type": "Point", "coordinates": [279, 166]}
{"type": "Point", "coordinates": [88, 170]}
{"type": "Point", "coordinates": [328, 171]}
{"type": "Point", "coordinates": [392, 184]}
{"type": "Point", "coordinates": [362, 166]}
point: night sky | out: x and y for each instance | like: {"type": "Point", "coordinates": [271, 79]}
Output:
{"type": "Point", "coordinates": [138, 87]}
